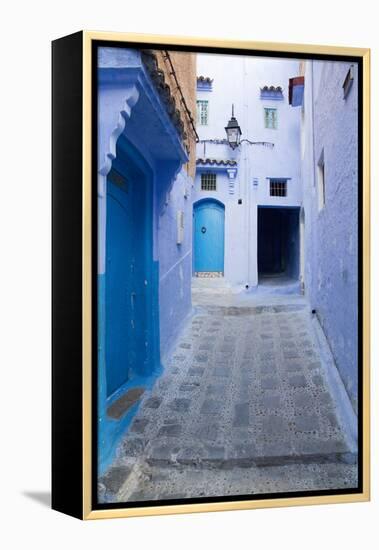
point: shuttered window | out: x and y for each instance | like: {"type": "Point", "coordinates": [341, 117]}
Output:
{"type": "Point", "coordinates": [271, 118]}
{"type": "Point", "coordinates": [202, 112]}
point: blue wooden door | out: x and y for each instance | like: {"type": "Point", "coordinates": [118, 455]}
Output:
{"type": "Point", "coordinates": [128, 278]}
{"type": "Point", "coordinates": [209, 218]}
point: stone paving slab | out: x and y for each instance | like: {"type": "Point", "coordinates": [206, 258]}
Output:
{"type": "Point", "coordinates": [121, 406]}
{"type": "Point", "coordinates": [244, 388]}
{"type": "Point", "coordinates": [189, 482]}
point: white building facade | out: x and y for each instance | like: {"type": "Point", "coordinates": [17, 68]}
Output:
{"type": "Point", "coordinates": [257, 186]}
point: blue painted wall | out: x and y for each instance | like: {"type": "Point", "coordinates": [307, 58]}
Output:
{"type": "Point", "coordinates": [208, 234]}
{"type": "Point", "coordinates": [149, 283]}
{"type": "Point", "coordinates": [175, 260]}
{"type": "Point", "coordinates": [331, 270]}
{"type": "Point", "coordinates": [144, 291]}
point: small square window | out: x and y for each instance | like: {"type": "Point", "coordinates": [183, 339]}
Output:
{"type": "Point", "coordinates": [271, 118]}
{"type": "Point", "coordinates": [208, 182]}
{"type": "Point", "coordinates": [202, 112]}
{"type": "Point", "coordinates": [278, 188]}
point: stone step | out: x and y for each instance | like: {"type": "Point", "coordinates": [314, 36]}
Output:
{"type": "Point", "coordinates": [136, 479]}
{"type": "Point", "coordinates": [229, 311]}
{"type": "Point", "coordinates": [169, 454]}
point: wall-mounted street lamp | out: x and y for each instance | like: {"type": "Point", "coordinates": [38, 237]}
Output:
{"type": "Point", "coordinates": [233, 131]}
{"type": "Point", "coordinates": [233, 134]}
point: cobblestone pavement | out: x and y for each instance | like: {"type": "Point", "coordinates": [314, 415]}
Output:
{"type": "Point", "coordinates": [243, 407]}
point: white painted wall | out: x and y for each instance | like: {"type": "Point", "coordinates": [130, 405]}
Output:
{"type": "Point", "coordinates": [237, 80]}
{"type": "Point", "coordinates": [330, 128]}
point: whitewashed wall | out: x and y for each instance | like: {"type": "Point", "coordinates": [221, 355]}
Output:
{"type": "Point", "coordinates": [237, 80]}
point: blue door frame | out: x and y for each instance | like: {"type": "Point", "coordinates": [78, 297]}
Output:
{"type": "Point", "coordinates": [129, 319]}
{"type": "Point", "coordinates": [128, 303]}
{"type": "Point", "coordinates": [208, 237]}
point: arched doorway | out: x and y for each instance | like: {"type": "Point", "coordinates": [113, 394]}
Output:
{"type": "Point", "coordinates": [128, 283]}
{"type": "Point", "coordinates": [209, 236]}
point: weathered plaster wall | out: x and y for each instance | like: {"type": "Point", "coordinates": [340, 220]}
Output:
{"type": "Point", "coordinates": [331, 270]}
{"type": "Point", "coordinates": [175, 260]}
{"type": "Point", "coordinates": [184, 64]}
{"type": "Point", "coordinates": [238, 80]}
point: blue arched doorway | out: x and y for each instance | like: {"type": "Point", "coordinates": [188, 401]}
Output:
{"type": "Point", "coordinates": [129, 332]}
{"type": "Point", "coordinates": [208, 236]}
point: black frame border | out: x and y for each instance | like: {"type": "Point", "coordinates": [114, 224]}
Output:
{"type": "Point", "coordinates": [225, 51]}
{"type": "Point", "coordinates": [67, 258]}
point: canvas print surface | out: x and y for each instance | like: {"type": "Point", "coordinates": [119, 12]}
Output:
{"type": "Point", "coordinates": [227, 275]}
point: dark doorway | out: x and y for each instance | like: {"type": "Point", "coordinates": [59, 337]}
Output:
{"type": "Point", "coordinates": [278, 243]}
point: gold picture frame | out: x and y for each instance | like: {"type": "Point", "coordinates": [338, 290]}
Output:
{"type": "Point", "coordinates": [83, 465]}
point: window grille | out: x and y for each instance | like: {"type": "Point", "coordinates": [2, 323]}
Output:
{"type": "Point", "coordinates": [202, 112]}
{"type": "Point", "coordinates": [278, 188]}
{"type": "Point", "coordinates": [208, 182]}
{"type": "Point", "coordinates": [271, 118]}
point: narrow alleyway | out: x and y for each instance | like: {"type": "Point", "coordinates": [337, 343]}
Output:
{"type": "Point", "coordinates": [243, 407]}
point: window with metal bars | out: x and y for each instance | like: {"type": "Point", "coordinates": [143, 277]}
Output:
{"type": "Point", "coordinates": [208, 182]}
{"type": "Point", "coordinates": [202, 112]}
{"type": "Point", "coordinates": [278, 188]}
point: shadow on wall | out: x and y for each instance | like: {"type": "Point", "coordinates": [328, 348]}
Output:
{"type": "Point", "coordinates": [41, 497]}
